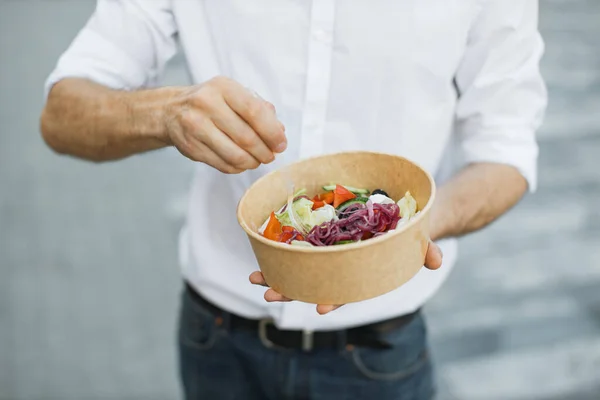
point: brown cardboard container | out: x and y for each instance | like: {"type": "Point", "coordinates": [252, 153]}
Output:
{"type": "Point", "coordinates": [351, 272]}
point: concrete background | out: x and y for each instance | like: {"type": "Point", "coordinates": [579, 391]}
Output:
{"type": "Point", "coordinates": [88, 272]}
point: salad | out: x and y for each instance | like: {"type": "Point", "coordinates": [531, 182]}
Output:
{"type": "Point", "coordinates": [340, 215]}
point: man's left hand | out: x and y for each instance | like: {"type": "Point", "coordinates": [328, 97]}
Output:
{"type": "Point", "coordinates": [433, 260]}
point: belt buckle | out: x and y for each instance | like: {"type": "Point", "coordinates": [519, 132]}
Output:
{"type": "Point", "coordinates": [307, 336]}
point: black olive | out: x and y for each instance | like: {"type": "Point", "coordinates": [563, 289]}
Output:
{"type": "Point", "coordinates": [379, 191]}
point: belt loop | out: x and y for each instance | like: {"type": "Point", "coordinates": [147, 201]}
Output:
{"type": "Point", "coordinates": [262, 332]}
{"type": "Point", "coordinates": [307, 340]}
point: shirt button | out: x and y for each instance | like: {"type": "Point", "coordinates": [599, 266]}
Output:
{"type": "Point", "coordinates": [322, 36]}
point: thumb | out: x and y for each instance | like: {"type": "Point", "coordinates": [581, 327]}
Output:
{"type": "Point", "coordinates": [433, 258]}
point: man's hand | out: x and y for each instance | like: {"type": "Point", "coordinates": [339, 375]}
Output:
{"type": "Point", "coordinates": [224, 125]}
{"type": "Point", "coordinates": [433, 260]}
{"type": "Point", "coordinates": [220, 123]}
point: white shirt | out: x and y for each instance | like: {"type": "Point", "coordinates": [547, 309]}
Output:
{"type": "Point", "coordinates": [378, 75]}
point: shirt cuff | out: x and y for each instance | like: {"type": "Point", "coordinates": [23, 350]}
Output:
{"type": "Point", "coordinates": [518, 149]}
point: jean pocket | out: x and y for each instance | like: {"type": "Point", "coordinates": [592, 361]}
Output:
{"type": "Point", "coordinates": [407, 355]}
{"type": "Point", "coordinates": [197, 327]}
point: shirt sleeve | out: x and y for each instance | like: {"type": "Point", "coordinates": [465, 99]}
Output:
{"type": "Point", "coordinates": [124, 45]}
{"type": "Point", "coordinates": [502, 96]}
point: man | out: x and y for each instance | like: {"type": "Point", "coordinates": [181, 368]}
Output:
{"type": "Point", "coordinates": [439, 82]}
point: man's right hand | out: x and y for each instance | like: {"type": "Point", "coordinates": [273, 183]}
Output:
{"type": "Point", "coordinates": [223, 124]}
{"type": "Point", "coordinates": [220, 123]}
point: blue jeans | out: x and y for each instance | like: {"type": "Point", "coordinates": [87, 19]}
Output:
{"type": "Point", "coordinates": [217, 363]}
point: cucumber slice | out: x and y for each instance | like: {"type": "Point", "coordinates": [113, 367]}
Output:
{"type": "Point", "coordinates": [343, 242]}
{"type": "Point", "coordinates": [350, 188]}
{"type": "Point", "coordinates": [348, 203]}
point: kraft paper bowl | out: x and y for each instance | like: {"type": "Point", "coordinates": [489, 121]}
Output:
{"type": "Point", "coordinates": [344, 273]}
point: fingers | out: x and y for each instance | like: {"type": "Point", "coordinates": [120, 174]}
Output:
{"type": "Point", "coordinates": [257, 278]}
{"type": "Point", "coordinates": [209, 157]}
{"type": "Point", "coordinates": [271, 296]}
{"type": "Point", "coordinates": [327, 308]}
{"type": "Point", "coordinates": [258, 114]}
{"type": "Point", "coordinates": [223, 146]}
{"type": "Point", "coordinates": [242, 134]}
{"type": "Point", "coordinates": [433, 257]}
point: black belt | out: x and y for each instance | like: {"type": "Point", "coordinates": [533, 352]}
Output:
{"type": "Point", "coordinates": [363, 336]}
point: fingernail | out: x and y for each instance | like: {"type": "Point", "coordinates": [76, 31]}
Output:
{"type": "Point", "coordinates": [269, 159]}
{"type": "Point", "coordinates": [281, 147]}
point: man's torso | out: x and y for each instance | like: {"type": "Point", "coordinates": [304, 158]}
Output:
{"type": "Point", "coordinates": [343, 76]}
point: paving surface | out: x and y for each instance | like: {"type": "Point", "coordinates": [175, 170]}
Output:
{"type": "Point", "coordinates": [88, 273]}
